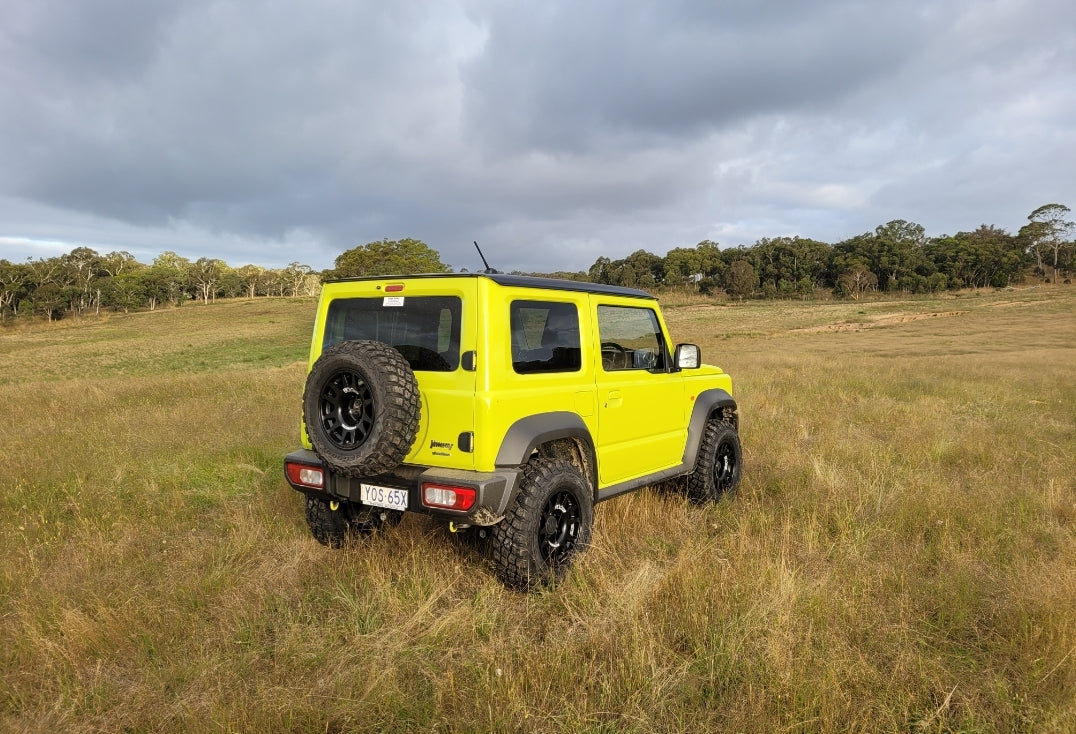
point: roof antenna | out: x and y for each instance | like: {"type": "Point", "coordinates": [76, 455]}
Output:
{"type": "Point", "coordinates": [488, 270]}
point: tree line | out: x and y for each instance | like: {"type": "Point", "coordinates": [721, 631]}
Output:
{"type": "Point", "coordinates": [897, 257]}
{"type": "Point", "coordinates": [85, 281]}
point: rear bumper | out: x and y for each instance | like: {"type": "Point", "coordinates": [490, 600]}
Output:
{"type": "Point", "coordinates": [493, 490]}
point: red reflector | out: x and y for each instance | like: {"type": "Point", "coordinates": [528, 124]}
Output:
{"type": "Point", "coordinates": [305, 476]}
{"type": "Point", "coordinates": [449, 498]}
{"type": "Point", "coordinates": [394, 288]}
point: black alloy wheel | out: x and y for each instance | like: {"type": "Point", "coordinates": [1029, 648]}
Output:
{"type": "Point", "coordinates": [559, 528]}
{"type": "Point", "coordinates": [726, 466]}
{"type": "Point", "coordinates": [346, 407]}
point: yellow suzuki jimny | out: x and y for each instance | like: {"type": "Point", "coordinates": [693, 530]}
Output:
{"type": "Point", "coordinates": [506, 406]}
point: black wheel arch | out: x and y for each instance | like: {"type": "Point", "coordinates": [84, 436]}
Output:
{"type": "Point", "coordinates": [715, 404]}
{"type": "Point", "coordinates": [557, 434]}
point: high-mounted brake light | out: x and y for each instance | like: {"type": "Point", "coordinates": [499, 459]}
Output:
{"type": "Point", "coordinates": [448, 498]}
{"type": "Point", "coordinates": [394, 287]}
{"type": "Point", "coordinates": [305, 476]}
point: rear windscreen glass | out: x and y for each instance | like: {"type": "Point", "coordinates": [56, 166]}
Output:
{"type": "Point", "coordinates": [424, 329]}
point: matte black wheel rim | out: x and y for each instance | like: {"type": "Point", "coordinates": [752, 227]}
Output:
{"type": "Point", "coordinates": [347, 410]}
{"type": "Point", "coordinates": [725, 466]}
{"type": "Point", "coordinates": [558, 527]}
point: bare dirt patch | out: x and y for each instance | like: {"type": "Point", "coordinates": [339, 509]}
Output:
{"type": "Point", "coordinates": [880, 321]}
{"type": "Point", "coordinates": [1002, 304]}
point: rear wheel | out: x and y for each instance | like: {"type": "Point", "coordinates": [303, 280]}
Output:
{"type": "Point", "coordinates": [546, 527]}
{"type": "Point", "coordinates": [333, 524]}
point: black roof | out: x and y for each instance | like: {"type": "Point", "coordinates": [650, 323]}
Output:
{"type": "Point", "coordinates": [519, 281]}
{"type": "Point", "coordinates": [530, 281]}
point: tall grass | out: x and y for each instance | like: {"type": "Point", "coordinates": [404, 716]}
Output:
{"type": "Point", "coordinates": [901, 555]}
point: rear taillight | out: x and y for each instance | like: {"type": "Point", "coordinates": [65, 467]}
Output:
{"type": "Point", "coordinates": [447, 497]}
{"type": "Point", "coordinates": [305, 475]}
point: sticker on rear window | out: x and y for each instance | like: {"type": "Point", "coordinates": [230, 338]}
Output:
{"type": "Point", "coordinates": [393, 301]}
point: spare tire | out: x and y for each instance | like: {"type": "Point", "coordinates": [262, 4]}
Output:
{"type": "Point", "coordinates": [361, 407]}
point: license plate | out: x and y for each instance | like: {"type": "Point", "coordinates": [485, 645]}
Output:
{"type": "Point", "coordinates": [388, 497]}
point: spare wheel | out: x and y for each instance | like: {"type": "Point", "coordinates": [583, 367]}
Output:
{"type": "Point", "coordinates": [361, 407]}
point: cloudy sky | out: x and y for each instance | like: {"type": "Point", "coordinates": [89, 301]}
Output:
{"type": "Point", "coordinates": [553, 132]}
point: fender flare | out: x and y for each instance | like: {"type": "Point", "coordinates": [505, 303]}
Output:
{"type": "Point", "coordinates": [707, 404]}
{"type": "Point", "coordinates": [527, 434]}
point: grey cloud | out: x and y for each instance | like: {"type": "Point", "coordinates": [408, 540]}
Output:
{"type": "Point", "coordinates": [238, 101]}
{"type": "Point", "coordinates": [265, 132]}
{"type": "Point", "coordinates": [573, 77]}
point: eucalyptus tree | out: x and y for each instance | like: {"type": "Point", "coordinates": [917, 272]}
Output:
{"type": "Point", "coordinates": [741, 280]}
{"type": "Point", "coordinates": [205, 275]}
{"type": "Point", "coordinates": [117, 263]}
{"type": "Point", "coordinates": [1048, 231]}
{"type": "Point", "coordinates": [640, 269]}
{"type": "Point", "coordinates": [894, 252]}
{"type": "Point", "coordinates": [693, 264]}
{"type": "Point", "coordinates": [989, 256]}
{"type": "Point", "coordinates": [253, 279]}
{"type": "Point", "coordinates": [170, 278]}
{"type": "Point", "coordinates": [855, 280]}
{"type": "Point", "coordinates": [14, 280]}
{"type": "Point", "coordinates": [84, 268]}
{"type": "Point", "coordinates": [788, 265]}
{"type": "Point", "coordinates": [388, 257]}
{"type": "Point", "coordinates": [682, 265]}
{"type": "Point", "coordinates": [300, 280]}
{"type": "Point", "coordinates": [49, 286]}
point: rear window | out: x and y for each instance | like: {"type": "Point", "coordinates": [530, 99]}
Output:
{"type": "Point", "coordinates": [424, 329]}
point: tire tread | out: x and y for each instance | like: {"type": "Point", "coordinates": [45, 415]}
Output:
{"type": "Point", "coordinates": [397, 406]}
{"type": "Point", "coordinates": [511, 540]}
{"type": "Point", "coordinates": [700, 482]}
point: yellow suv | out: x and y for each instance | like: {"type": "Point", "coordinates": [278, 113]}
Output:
{"type": "Point", "coordinates": [505, 405]}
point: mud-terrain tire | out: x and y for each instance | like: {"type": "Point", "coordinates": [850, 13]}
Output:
{"type": "Point", "coordinates": [333, 524]}
{"type": "Point", "coordinates": [718, 464]}
{"type": "Point", "coordinates": [361, 407]}
{"type": "Point", "coordinates": [546, 527]}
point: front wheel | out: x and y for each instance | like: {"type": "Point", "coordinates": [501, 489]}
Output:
{"type": "Point", "coordinates": [333, 524]}
{"type": "Point", "coordinates": [546, 527]}
{"type": "Point", "coordinates": [718, 464]}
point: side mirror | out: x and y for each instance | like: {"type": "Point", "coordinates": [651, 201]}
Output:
{"type": "Point", "coordinates": [688, 357]}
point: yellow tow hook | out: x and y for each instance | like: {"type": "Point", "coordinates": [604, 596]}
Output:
{"type": "Point", "coordinates": [452, 527]}
{"type": "Point", "coordinates": [334, 505]}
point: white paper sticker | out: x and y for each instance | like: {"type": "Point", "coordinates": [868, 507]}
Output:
{"type": "Point", "coordinates": [393, 301]}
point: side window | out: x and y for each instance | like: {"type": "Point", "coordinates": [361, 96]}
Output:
{"type": "Point", "coordinates": [545, 337]}
{"type": "Point", "coordinates": [631, 339]}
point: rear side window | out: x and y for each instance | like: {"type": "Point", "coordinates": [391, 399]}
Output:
{"type": "Point", "coordinates": [545, 337]}
{"type": "Point", "coordinates": [424, 329]}
{"type": "Point", "coordinates": [631, 339]}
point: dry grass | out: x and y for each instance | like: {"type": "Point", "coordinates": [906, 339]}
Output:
{"type": "Point", "coordinates": [901, 556]}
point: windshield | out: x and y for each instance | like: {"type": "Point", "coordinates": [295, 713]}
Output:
{"type": "Point", "coordinates": [424, 329]}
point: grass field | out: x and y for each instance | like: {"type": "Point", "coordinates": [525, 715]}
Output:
{"type": "Point", "coordinates": [901, 555]}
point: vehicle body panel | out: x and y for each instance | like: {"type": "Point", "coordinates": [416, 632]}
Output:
{"type": "Point", "coordinates": [485, 414]}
